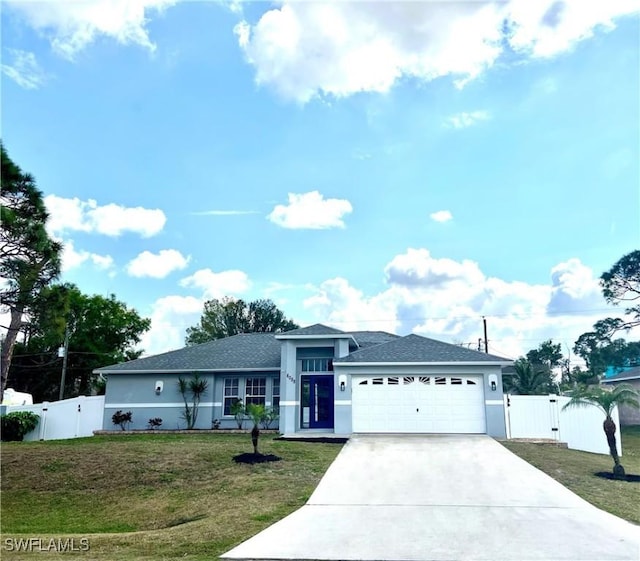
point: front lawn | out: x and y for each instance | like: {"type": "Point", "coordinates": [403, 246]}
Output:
{"type": "Point", "coordinates": [153, 496]}
{"type": "Point", "coordinates": [575, 469]}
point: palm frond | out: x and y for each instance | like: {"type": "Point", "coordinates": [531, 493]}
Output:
{"type": "Point", "coordinates": [604, 399]}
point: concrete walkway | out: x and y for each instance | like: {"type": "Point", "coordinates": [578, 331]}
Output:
{"type": "Point", "coordinates": [441, 498]}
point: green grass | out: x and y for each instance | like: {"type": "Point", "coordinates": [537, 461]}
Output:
{"type": "Point", "coordinates": [152, 496]}
{"type": "Point", "coordinates": [164, 497]}
{"type": "Point", "coordinates": [575, 469]}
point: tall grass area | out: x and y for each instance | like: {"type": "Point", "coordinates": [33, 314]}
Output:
{"type": "Point", "coordinates": [153, 496]}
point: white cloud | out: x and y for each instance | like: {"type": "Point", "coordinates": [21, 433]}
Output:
{"type": "Point", "coordinates": [24, 70]}
{"type": "Point", "coordinates": [71, 258]}
{"type": "Point", "coordinates": [441, 216]}
{"type": "Point", "coordinates": [310, 211]}
{"type": "Point", "coordinates": [158, 265]}
{"type": "Point", "coordinates": [338, 303]}
{"type": "Point", "coordinates": [467, 119]}
{"type": "Point", "coordinates": [72, 25]}
{"type": "Point", "coordinates": [305, 49]}
{"type": "Point", "coordinates": [574, 288]}
{"type": "Point", "coordinates": [170, 317]}
{"type": "Point", "coordinates": [446, 299]}
{"type": "Point", "coordinates": [218, 285]}
{"type": "Point", "coordinates": [111, 220]}
{"type": "Point", "coordinates": [416, 267]}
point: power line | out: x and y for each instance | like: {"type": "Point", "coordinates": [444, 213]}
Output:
{"type": "Point", "coordinates": [449, 317]}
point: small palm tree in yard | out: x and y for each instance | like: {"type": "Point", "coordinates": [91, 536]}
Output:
{"type": "Point", "coordinates": [606, 401]}
{"type": "Point", "coordinates": [256, 412]}
{"type": "Point", "coordinates": [196, 387]}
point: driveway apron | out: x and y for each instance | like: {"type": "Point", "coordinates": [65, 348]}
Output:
{"type": "Point", "coordinates": [441, 497]}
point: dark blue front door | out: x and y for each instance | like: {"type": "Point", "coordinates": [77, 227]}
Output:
{"type": "Point", "coordinates": [316, 403]}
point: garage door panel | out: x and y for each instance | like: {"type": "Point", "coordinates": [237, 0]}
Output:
{"type": "Point", "coordinates": [419, 404]}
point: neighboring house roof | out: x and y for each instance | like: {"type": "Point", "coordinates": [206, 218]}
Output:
{"type": "Point", "coordinates": [633, 374]}
{"type": "Point", "coordinates": [416, 349]}
{"type": "Point", "coordinates": [257, 351]}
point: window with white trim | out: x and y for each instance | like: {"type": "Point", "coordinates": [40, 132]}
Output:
{"type": "Point", "coordinates": [317, 365]}
{"type": "Point", "coordinates": [231, 394]}
{"type": "Point", "coordinates": [256, 391]}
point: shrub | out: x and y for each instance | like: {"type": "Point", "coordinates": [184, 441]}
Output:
{"type": "Point", "coordinates": [122, 419]}
{"type": "Point", "coordinates": [197, 387]}
{"type": "Point", "coordinates": [239, 412]}
{"type": "Point", "coordinates": [154, 423]}
{"type": "Point", "coordinates": [17, 424]}
{"type": "Point", "coordinates": [215, 424]}
{"type": "Point", "coordinates": [269, 416]}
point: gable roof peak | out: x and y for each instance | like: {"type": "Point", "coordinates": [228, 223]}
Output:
{"type": "Point", "coordinates": [315, 329]}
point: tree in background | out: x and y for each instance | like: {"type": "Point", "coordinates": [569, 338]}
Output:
{"type": "Point", "coordinates": [599, 350]}
{"type": "Point", "coordinates": [226, 317]}
{"type": "Point", "coordinates": [528, 379]}
{"type": "Point", "coordinates": [29, 258]}
{"type": "Point", "coordinates": [101, 331]}
{"type": "Point", "coordinates": [548, 355]}
{"type": "Point", "coordinates": [546, 358]}
{"type": "Point", "coordinates": [621, 283]}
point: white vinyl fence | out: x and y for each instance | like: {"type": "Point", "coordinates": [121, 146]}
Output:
{"type": "Point", "coordinates": [542, 416]}
{"type": "Point", "coordinates": [69, 418]}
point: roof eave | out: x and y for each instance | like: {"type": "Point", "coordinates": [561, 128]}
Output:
{"type": "Point", "coordinates": [183, 370]}
{"type": "Point", "coordinates": [436, 363]}
{"type": "Point", "coordinates": [626, 379]}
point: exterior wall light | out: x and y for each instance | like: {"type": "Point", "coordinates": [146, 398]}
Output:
{"type": "Point", "coordinates": [342, 382]}
{"type": "Point", "coordinates": [159, 387]}
{"type": "Point", "coordinates": [493, 382]}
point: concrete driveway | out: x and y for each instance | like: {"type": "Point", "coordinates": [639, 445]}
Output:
{"type": "Point", "coordinates": [438, 497]}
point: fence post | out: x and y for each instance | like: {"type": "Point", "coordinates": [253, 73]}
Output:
{"type": "Point", "coordinates": [43, 421]}
{"type": "Point", "coordinates": [79, 415]}
{"type": "Point", "coordinates": [555, 417]}
{"type": "Point", "coordinates": [507, 414]}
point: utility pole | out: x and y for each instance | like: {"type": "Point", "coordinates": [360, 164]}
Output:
{"type": "Point", "coordinates": [486, 341]}
{"type": "Point", "coordinates": [65, 350]}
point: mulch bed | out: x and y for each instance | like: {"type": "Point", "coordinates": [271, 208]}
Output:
{"type": "Point", "coordinates": [320, 439]}
{"type": "Point", "coordinates": [628, 477]}
{"type": "Point", "coordinates": [249, 458]}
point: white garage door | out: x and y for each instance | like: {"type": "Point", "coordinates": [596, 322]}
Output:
{"type": "Point", "coordinates": [418, 404]}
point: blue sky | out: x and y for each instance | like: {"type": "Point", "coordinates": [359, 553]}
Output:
{"type": "Point", "coordinates": [409, 167]}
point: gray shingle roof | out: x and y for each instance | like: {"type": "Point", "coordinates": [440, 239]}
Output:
{"type": "Point", "coordinates": [316, 329]}
{"type": "Point", "coordinates": [247, 350]}
{"type": "Point", "coordinates": [262, 351]}
{"type": "Point", "coordinates": [369, 338]}
{"type": "Point", "coordinates": [632, 374]}
{"type": "Point", "coordinates": [414, 348]}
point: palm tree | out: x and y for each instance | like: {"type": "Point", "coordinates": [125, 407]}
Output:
{"type": "Point", "coordinates": [606, 401]}
{"type": "Point", "coordinates": [197, 387]}
{"type": "Point", "coordinates": [528, 380]}
{"type": "Point", "coordinates": [256, 412]}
